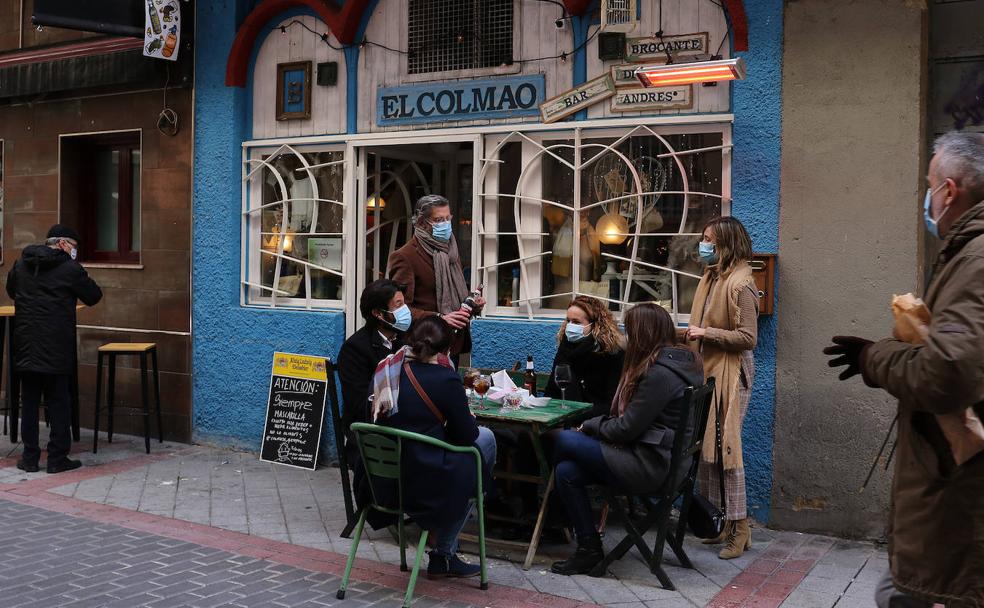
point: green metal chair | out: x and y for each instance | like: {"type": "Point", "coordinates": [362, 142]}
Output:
{"type": "Point", "coordinates": [381, 448]}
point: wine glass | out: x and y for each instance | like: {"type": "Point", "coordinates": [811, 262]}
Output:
{"type": "Point", "coordinates": [481, 386]}
{"type": "Point", "coordinates": [563, 378]}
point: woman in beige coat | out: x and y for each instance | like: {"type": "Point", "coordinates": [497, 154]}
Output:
{"type": "Point", "coordinates": [723, 329]}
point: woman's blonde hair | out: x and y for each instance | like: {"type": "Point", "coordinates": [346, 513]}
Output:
{"type": "Point", "coordinates": [734, 246]}
{"type": "Point", "coordinates": [604, 329]}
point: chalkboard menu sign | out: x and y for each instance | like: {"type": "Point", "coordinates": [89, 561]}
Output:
{"type": "Point", "coordinates": [295, 411]}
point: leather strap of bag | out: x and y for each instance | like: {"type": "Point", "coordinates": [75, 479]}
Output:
{"type": "Point", "coordinates": [423, 395]}
{"type": "Point", "coordinates": [718, 448]}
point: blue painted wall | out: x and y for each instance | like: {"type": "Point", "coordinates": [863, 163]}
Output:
{"type": "Point", "coordinates": [756, 103]}
{"type": "Point", "coordinates": [233, 346]}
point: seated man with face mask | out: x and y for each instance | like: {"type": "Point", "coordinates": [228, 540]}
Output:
{"type": "Point", "coordinates": [387, 318]}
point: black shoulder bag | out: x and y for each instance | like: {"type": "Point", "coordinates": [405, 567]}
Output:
{"type": "Point", "coordinates": [705, 519]}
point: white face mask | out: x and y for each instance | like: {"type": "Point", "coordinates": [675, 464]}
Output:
{"type": "Point", "coordinates": [74, 253]}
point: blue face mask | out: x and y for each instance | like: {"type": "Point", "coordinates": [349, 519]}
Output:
{"type": "Point", "coordinates": [707, 253]}
{"type": "Point", "coordinates": [575, 332]}
{"type": "Point", "coordinates": [932, 225]}
{"type": "Point", "coordinates": [441, 231]}
{"type": "Point", "coordinates": [401, 318]}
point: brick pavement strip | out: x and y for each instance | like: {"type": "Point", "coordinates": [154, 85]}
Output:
{"type": "Point", "coordinates": [171, 574]}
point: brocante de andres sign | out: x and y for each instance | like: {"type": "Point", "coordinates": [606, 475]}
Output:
{"type": "Point", "coordinates": [465, 100]}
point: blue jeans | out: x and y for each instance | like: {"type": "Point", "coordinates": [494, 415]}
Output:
{"type": "Point", "coordinates": [446, 538]}
{"type": "Point", "coordinates": [578, 463]}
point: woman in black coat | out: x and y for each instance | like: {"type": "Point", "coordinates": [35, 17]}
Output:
{"type": "Point", "coordinates": [590, 343]}
{"type": "Point", "coordinates": [630, 447]}
{"type": "Point", "coordinates": [418, 390]}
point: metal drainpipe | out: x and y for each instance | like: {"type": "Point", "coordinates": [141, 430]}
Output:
{"type": "Point", "coordinates": [20, 27]}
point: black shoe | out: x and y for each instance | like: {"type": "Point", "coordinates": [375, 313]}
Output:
{"type": "Point", "coordinates": [66, 464]}
{"type": "Point", "coordinates": [450, 566]}
{"type": "Point", "coordinates": [588, 554]}
{"type": "Point", "coordinates": [27, 467]}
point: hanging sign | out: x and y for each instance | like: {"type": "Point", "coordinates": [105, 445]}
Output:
{"type": "Point", "coordinates": [492, 98]}
{"type": "Point", "coordinates": [662, 98]}
{"type": "Point", "coordinates": [295, 410]}
{"type": "Point", "coordinates": [656, 49]}
{"type": "Point", "coordinates": [578, 98]}
{"type": "Point", "coordinates": [624, 75]}
{"type": "Point", "coordinates": [162, 31]}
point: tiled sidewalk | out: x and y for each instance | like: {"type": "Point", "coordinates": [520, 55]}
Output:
{"type": "Point", "coordinates": [239, 501]}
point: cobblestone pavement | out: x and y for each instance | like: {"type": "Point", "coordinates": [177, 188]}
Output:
{"type": "Point", "coordinates": [246, 510]}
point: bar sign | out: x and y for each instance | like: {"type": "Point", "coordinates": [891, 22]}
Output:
{"type": "Point", "coordinates": [578, 98]}
{"type": "Point", "coordinates": [662, 98]}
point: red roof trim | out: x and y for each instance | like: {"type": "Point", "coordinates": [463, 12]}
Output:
{"type": "Point", "coordinates": [739, 23]}
{"type": "Point", "coordinates": [77, 49]}
{"type": "Point", "coordinates": [342, 22]}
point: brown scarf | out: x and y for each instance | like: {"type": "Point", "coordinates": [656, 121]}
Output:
{"type": "Point", "coordinates": [450, 282]}
{"type": "Point", "coordinates": [724, 366]}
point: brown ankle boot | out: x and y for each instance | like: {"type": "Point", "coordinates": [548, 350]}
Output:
{"type": "Point", "coordinates": [739, 540]}
{"type": "Point", "coordinates": [722, 537]}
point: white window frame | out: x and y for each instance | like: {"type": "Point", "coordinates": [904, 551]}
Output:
{"type": "Point", "coordinates": [687, 123]}
{"type": "Point", "coordinates": [619, 26]}
{"type": "Point", "coordinates": [486, 224]}
{"type": "Point", "coordinates": [252, 292]}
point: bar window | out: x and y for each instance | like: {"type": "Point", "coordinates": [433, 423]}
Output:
{"type": "Point", "coordinates": [100, 194]}
{"type": "Point", "coordinates": [293, 221]}
{"type": "Point", "coordinates": [615, 214]}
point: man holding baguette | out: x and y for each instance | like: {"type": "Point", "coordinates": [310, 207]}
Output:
{"type": "Point", "coordinates": [936, 527]}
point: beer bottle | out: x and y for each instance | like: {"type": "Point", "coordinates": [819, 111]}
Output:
{"type": "Point", "coordinates": [529, 378]}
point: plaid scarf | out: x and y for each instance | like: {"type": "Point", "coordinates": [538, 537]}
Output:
{"type": "Point", "coordinates": [386, 381]}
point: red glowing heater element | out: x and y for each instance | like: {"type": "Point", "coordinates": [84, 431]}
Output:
{"type": "Point", "coordinates": [691, 73]}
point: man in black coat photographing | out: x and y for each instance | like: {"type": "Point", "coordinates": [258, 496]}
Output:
{"type": "Point", "coordinates": [45, 284]}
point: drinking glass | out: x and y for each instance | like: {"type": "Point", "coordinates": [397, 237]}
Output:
{"type": "Point", "coordinates": [482, 385]}
{"type": "Point", "coordinates": [563, 377]}
{"type": "Point", "coordinates": [469, 381]}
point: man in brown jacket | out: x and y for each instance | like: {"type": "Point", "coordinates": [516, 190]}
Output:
{"type": "Point", "coordinates": [430, 269]}
{"type": "Point", "coordinates": [936, 525]}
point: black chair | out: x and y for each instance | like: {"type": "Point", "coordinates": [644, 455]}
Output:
{"type": "Point", "coordinates": [343, 464]}
{"type": "Point", "coordinates": [687, 446]}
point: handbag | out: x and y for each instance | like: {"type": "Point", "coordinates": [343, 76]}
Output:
{"type": "Point", "coordinates": [703, 517]}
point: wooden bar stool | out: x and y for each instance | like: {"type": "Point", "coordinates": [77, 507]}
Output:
{"type": "Point", "coordinates": [113, 350]}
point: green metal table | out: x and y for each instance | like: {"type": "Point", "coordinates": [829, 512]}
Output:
{"type": "Point", "coordinates": [537, 421]}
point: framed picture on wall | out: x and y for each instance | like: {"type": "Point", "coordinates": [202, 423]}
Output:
{"type": "Point", "coordinates": [294, 90]}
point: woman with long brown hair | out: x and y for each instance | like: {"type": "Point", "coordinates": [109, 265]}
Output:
{"type": "Point", "coordinates": [724, 330]}
{"type": "Point", "coordinates": [629, 447]}
{"type": "Point", "coordinates": [590, 343]}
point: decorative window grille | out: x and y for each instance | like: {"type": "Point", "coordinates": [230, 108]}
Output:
{"type": "Point", "coordinates": [618, 15]}
{"type": "Point", "coordinates": [614, 214]}
{"type": "Point", "coordinates": [446, 35]}
{"type": "Point", "coordinates": [294, 227]}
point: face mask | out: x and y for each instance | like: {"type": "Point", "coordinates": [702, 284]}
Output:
{"type": "Point", "coordinates": [707, 253]}
{"type": "Point", "coordinates": [932, 225]}
{"type": "Point", "coordinates": [401, 318]}
{"type": "Point", "coordinates": [74, 253]}
{"type": "Point", "coordinates": [441, 231]}
{"type": "Point", "coordinates": [575, 332]}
